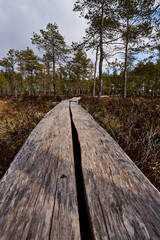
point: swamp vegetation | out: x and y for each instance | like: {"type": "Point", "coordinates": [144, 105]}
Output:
{"type": "Point", "coordinates": [135, 124]}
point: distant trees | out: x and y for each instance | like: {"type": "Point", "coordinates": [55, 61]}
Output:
{"type": "Point", "coordinates": [30, 66]}
{"type": "Point", "coordinates": [20, 68]}
{"type": "Point", "coordinates": [53, 46]}
{"type": "Point", "coordinates": [8, 64]}
{"type": "Point", "coordinates": [81, 70]}
{"type": "Point", "coordinates": [115, 27]}
{"type": "Point", "coordinates": [17, 66]}
{"type": "Point", "coordinates": [34, 76]}
{"type": "Point", "coordinates": [144, 76]}
{"type": "Point", "coordinates": [12, 60]}
{"type": "Point", "coordinates": [75, 77]}
{"type": "Point", "coordinates": [5, 76]}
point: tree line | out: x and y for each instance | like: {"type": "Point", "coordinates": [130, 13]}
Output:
{"type": "Point", "coordinates": [122, 28]}
{"type": "Point", "coordinates": [60, 69]}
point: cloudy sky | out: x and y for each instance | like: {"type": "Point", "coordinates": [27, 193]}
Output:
{"type": "Point", "coordinates": [20, 18]}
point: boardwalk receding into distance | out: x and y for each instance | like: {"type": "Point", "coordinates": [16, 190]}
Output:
{"type": "Point", "coordinates": [72, 181]}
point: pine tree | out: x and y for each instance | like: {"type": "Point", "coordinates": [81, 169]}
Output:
{"type": "Point", "coordinates": [12, 61]}
{"type": "Point", "coordinates": [81, 70]}
{"type": "Point", "coordinates": [30, 65]}
{"type": "Point", "coordinates": [102, 23]}
{"type": "Point", "coordinates": [20, 68]}
{"type": "Point", "coordinates": [53, 46]}
{"type": "Point", "coordinates": [6, 72]}
{"type": "Point", "coordinates": [135, 25]}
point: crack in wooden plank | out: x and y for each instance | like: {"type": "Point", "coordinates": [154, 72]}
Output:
{"type": "Point", "coordinates": [84, 219]}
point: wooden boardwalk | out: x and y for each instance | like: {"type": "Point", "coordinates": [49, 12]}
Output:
{"type": "Point", "coordinates": [72, 181]}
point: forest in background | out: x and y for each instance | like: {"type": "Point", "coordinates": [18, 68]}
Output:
{"type": "Point", "coordinates": [76, 77]}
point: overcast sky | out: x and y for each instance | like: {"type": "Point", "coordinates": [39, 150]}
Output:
{"type": "Point", "coordinates": [20, 18]}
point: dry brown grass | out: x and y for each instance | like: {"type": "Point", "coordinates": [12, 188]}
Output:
{"type": "Point", "coordinates": [18, 117]}
{"type": "Point", "coordinates": [135, 124]}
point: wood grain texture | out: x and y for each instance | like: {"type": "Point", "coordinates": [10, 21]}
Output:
{"type": "Point", "coordinates": [38, 199]}
{"type": "Point", "coordinates": [38, 193]}
{"type": "Point", "coordinates": [122, 203]}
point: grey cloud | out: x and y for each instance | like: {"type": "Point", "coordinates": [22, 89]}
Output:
{"type": "Point", "coordinates": [20, 18]}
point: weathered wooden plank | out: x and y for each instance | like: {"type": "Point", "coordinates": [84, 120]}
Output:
{"type": "Point", "coordinates": [38, 193]}
{"type": "Point", "coordinates": [122, 203]}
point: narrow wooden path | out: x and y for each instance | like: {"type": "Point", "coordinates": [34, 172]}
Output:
{"type": "Point", "coordinates": [72, 181]}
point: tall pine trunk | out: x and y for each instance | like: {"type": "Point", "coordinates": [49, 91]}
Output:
{"type": "Point", "coordinates": [14, 82]}
{"type": "Point", "coordinates": [54, 78]}
{"type": "Point", "coordinates": [8, 88]}
{"type": "Point", "coordinates": [48, 79]}
{"type": "Point", "coordinates": [126, 63]}
{"type": "Point", "coordinates": [157, 77]}
{"type": "Point", "coordinates": [95, 72]}
{"type": "Point", "coordinates": [54, 72]}
{"type": "Point", "coordinates": [101, 53]}
{"type": "Point", "coordinates": [29, 88]}
{"type": "Point", "coordinates": [21, 83]}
